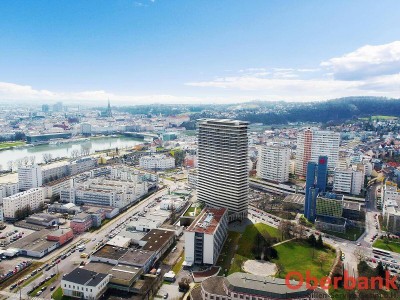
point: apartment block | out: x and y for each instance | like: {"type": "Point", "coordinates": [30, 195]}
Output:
{"type": "Point", "coordinates": [312, 143]}
{"type": "Point", "coordinates": [223, 165]}
{"type": "Point", "coordinates": [31, 198]}
{"type": "Point", "coordinates": [30, 177]}
{"type": "Point", "coordinates": [157, 162]}
{"type": "Point", "coordinates": [274, 163]}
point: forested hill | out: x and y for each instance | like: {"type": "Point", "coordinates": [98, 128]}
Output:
{"type": "Point", "coordinates": [280, 112]}
{"type": "Point", "coordinates": [327, 111]}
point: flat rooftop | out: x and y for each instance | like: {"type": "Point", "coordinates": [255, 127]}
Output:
{"type": "Point", "coordinates": [110, 252]}
{"type": "Point", "coordinates": [36, 241]}
{"type": "Point", "coordinates": [9, 178]}
{"type": "Point", "coordinates": [295, 198]}
{"type": "Point", "coordinates": [157, 238]}
{"type": "Point", "coordinates": [208, 220]}
{"type": "Point", "coordinates": [138, 257]}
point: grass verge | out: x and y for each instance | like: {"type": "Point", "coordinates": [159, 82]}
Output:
{"type": "Point", "coordinates": [46, 284]}
{"type": "Point", "coordinates": [389, 245]}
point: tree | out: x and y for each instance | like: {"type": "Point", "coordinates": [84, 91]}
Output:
{"type": "Point", "coordinates": [279, 268]}
{"type": "Point", "coordinates": [320, 243]}
{"type": "Point", "coordinates": [360, 255]}
{"type": "Point", "coordinates": [322, 259]}
{"type": "Point", "coordinates": [47, 157]}
{"type": "Point", "coordinates": [184, 284]}
{"type": "Point", "coordinates": [285, 227]}
{"type": "Point", "coordinates": [74, 153]}
{"type": "Point", "coordinates": [312, 240]}
{"type": "Point", "coordinates": [10, 164]}
{"type": "Point", "coordinates": [25, 161]}
{"type": "Point", "coordinates": [380, 270]}
{"type": "Point", "coordinates": [32, 159]}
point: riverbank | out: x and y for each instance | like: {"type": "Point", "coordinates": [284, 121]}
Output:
{"type": "Point", "coordinates": [95, 144]}
{"type": "Point", "coordinates": [9, 145]}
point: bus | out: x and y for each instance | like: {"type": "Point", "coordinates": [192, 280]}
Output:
{"type": "Point", "coordinates": [381, 252]}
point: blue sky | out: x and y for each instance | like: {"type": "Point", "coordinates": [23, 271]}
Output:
{"type": "Point", "coordinates": [198, 51]}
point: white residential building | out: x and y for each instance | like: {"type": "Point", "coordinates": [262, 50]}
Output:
{"type": "Point", "coordinates": [312, 143]}
{"type": "Point", "coordinates": [81, 165]}
{"type": "Point", "coordinates": [157, 162]}
{"type": "Point", "coordinates": [55, 171]}
{"type": "Point", "coordinates": [30, 177]}
{"type": "Point", "coordinates": [391, 207]}
{"type": "Point", "coordinates": [102, 191]}
{"type": "Point", "coordinates": [223, 165]}
{"type": "Point", "coordinates": [8, 189]}
{"type": "Point", "coordinates": [205, 237]}
{"type": "Point", "coordinates": [32, 198]}
{"type": "Point", "coordinates": [274, 163]}
{"type": "Point", "coordinates": [348, 181]}
{"type": "Point", "coordinates": [84, 284]}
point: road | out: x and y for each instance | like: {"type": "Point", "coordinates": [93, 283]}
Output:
{"type": "Point", "coordinates": [72, 261]}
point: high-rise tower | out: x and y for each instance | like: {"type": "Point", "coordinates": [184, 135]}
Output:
{"type": "Point", "coordinates": [312, 143]}
{"type": "Point", "coordinates": [316, 179]}
{"type": "Point", "coordinates": [222, 165]}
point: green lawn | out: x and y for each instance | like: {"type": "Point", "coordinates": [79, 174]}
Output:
{"type": "Point", "coordinates": [246, 243]}
{"type": "Point", "coordinates": [32, 279]}
{"type": "Point", "coordinates": [239, 247]}
{"type": "Point", "coordinates": [11, 144]}
{"type": "Point", "coordinates": [352, 233]}
{"type": "Point", "coordinates": [379, 118]}
{"type": "Point", "coordinates": [299, 256]}
{"type": "Point", "coordinates": [391, 245]}
{"type": "Point", "coordinates": [228, 251]}
{"type": "Point", "coordinates": [58, 295]}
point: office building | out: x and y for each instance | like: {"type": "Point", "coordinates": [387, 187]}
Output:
{"type": "Point", "coordinates": [330, 204]}
{"type": "Point", "coordinates": [29, 177]}
{"type": "Point", "coordinates": [274, 163]}
{"type": "Point", "coordinates": [205, 237]}
{"type": "Point", "coordinates": [312, 143]}
{"type": "Point", "coordinates": [223, 165]}
{"type": "Point", "coordinates": [84, 284]}
{"type": "Point", "coordinates": [316, 181]}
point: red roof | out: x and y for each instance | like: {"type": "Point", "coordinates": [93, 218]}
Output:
{"type": "Point", "coordinates": [208, 220]}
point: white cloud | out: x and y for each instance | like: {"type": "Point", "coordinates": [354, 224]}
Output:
{"type": "Point", "coordinates": [369, 70]}
{"type": "Point", "coordinates": [367, 61]}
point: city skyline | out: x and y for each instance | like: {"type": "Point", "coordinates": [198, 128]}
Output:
{"type": "Point", "coordinates": [135, 52]}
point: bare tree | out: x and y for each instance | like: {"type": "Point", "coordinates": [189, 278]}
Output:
{"type": "Point", "coordinates": [279, 268]}
{"type": "Point", "coordinates": [19, 163]}
{"type": "Point", "coordinates": [32, 159]}
{"type": "Point", "coordinates": [47, 157]}
{"type": "Point", "coordinates": [75, 153]}
{"type": "Point", "coordinates": [322, 259]}
{"type": "Point", "coordinates": [359, 254]}
{"type": "Point", "coordinates": [10, 164]}
{"type": "Point", "coordinates": [25, 161]}
{"type": "Point", "coordinates": [285, 228]}
{"type": "Point", "coordinates": [85, 151]}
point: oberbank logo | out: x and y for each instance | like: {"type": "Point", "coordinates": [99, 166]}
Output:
{"type": "Point", "coordinates": [349, 282]}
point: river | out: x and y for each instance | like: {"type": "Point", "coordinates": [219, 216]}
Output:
{"type": "Point", "coordinates": [64, 150]}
